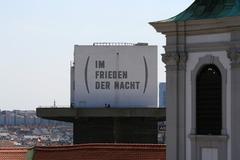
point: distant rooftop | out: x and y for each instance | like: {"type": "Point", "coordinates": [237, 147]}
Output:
{"type": "Point", "coordinates": [118, 44]}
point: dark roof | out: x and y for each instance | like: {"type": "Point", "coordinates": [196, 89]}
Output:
{"type": "Point", "coordinates": [101, 152]}
{"type": "Point", "coordinates": [207, 9]}
{"type": "Point", "coordinates": [70, 114]}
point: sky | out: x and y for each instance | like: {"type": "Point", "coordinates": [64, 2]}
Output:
{"type": "Point", "coordinates": [37, 39]}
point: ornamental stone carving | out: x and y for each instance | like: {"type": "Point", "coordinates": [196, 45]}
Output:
{"type": "Point", "coordinates": [170, 59]}
{"type": "Point", "coordinates": [175, 61]}
{"type": "Point", "coordinates": [182, 61]}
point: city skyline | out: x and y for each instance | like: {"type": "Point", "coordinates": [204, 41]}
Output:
{"type": "Point", "coordinates": [38, 37]}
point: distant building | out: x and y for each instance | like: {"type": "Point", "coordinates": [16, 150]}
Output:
{"type": "Point", "coordinates": [28, 117]}
{"type": "Point", "coordinates": [114, 94]}
{"type": "Point", "coordinates": [162, 94]}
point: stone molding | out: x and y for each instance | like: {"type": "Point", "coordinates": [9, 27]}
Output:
{"type": "Point", "coordinates": [234, 55]}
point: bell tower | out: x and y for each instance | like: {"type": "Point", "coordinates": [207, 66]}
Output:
{"type": "Point", "coordinates": [202, 57]}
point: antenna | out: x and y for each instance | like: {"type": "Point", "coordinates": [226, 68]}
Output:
{"type": "Point", "coordinates": [54, 103]}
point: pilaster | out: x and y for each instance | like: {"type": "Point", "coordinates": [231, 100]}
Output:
{"type": "Point", "coordinates": [175, 78]}
{"type": "Point", "coordinates": [234, 56]}
{"type": "Point", "coordinates": [182, 105]}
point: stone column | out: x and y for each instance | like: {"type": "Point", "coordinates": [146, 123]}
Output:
{"type": "Point", "coordinates": [234, 56]}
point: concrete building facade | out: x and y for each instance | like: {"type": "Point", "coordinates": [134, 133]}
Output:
{"type": "Point", "coordinates": [202, 57]}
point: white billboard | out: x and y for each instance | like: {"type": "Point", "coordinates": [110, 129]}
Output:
{"type": "Point", "coordinates": [114, 76]}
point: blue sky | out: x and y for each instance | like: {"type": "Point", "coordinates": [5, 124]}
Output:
{"type": "Point", "coordinates": [37, 39]}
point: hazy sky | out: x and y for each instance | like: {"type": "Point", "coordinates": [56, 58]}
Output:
{"type": "Point", "coordinates": [37, 39]}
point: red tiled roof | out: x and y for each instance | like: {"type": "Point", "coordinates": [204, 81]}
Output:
{"type": "Point", "coordinates": [101, 152]}
{"type": "Point", "coordinates": [13, 153]}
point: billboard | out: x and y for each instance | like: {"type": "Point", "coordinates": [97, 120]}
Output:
{"type": "Point", "coordinates": [114, 76]}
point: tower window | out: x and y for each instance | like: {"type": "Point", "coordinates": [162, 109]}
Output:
{"type": "Point", "coordinates": [209, 101]}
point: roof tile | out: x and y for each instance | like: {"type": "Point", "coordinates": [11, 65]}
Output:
{"type": "Point", "coordinates": [101, 152]}
{"type": "Point", "coordinates": [13, 153]}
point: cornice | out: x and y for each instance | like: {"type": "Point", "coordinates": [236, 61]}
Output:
{"type": "Point", "coordinates": [220, 25]}
{"type": "Point", "coordinates": [201, 47]}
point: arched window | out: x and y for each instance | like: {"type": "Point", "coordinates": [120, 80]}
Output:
{"type": "Point", "coordinates": [209, 101]}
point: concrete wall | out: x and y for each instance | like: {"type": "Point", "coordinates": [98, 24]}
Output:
{"type": "Point", "coordinates": [121, 76]}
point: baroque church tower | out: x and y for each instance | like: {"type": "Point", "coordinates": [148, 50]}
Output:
{"type": "Point", "coordinates": [202, 57]}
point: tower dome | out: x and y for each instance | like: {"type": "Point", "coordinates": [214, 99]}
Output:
{"type": "Point", "coordinates": [206, 9]}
